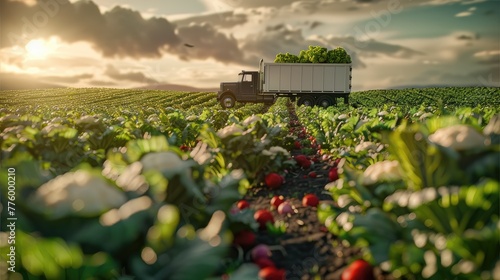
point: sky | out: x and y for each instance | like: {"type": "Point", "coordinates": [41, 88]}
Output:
{"type": "Point", "coordinates": [200, 43]}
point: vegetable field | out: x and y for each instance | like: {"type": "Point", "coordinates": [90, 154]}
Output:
{"type": "Point", "coordinates": [141, 184]}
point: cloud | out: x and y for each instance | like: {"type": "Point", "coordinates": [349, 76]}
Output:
{"type": "Point", "coordinates": [301, 7]}
{"type": "Point", "coordinates": [488, 57]}
{"type": "Point", "coordinates": [473, 2]}
{"type": "Point", "coordinates": [373, 48]}
{"type": "Point", "coordinates": [280, 38]}
{"type": "Point", "coordinates": [14, 81]}
{"type": "Point", "coordinates": [67, 79]}
{"type": "Point", "coordinates": [27, 2]}
{"type": "Point", "coordinates": [208, 43]}
{"type": "Point", "coordinates": [227, 19]}
{"type": "Point", "coordinates": [132, 76]}
{"type": "Point", "coordinates": [250, 4]}
{"type": "Point", "coordinates": [468, 37]}
{"type": "Point", "coordinates": [315, 24]}
{"type": "Point", "coordinates": [489, 77]}
{"type": "Point", "coordinates": [101, 83]}
{"type": "Point", "coordinates": [120, 32]}
{"type": "Point", "coordinates": [466, 13]}
{"type": "Point", "coordinates": [56, 61]}
{"type": "Point", "coordinates": [276, 39]}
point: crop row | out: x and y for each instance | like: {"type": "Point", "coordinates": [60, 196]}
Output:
{"type": "Point", "coordinates": [418, 188]}
{"type": "Point", "coordinates": [450, 96]}
{"type": "Point", "coordinates": [156, 184]}
{"type": "Point", "coordinates": [98, 97]}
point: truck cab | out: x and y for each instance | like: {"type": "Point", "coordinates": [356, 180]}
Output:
{"type": "Point", "coordinates": [246, 89]}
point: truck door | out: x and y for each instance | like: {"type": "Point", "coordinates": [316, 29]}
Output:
{"type": "Point", "coordinates": [247, 88]}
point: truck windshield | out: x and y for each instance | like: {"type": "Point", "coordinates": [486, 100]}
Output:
{"type": "Point", "coordinates": [244, 77]}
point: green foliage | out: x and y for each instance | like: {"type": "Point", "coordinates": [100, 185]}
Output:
{"type": "Point", "coordinates": [438, 220]}
{"type": "Point", "coordinates": [247, 146]}
{"type": "Point", "coordinates": [53, 258]}
{"type": "Point", "coordinates": [315, 54]}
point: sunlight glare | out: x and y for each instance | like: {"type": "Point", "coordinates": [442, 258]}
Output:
{"type": "Point", "coordinates": [37, 49]}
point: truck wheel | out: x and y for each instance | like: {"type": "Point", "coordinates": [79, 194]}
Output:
{"type": "Point", "coordinates": [325, 101]}
{"type": "Point", "coordinates": [306, 101]}
{"type": "Point", "coordinates": [227, 101]}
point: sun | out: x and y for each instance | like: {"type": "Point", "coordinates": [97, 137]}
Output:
{"type": "Point", "coordinates": [37, 49]}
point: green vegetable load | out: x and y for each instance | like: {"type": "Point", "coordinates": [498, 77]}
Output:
{"type": "Point", "coordinates": [315, 54]}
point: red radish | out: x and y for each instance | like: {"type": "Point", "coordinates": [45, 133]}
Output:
{"type": "Point", "coordinates": [333, 174]}
{"type": "Point", "coordinates": [303, 161]}
{"type": "Point", "coordinates": [313, 174]}
{"type": "Point", "coordinates": [242, 204]}
{"type": "Point", "coordinates": [273, 180]}
{"type": "Point", "coordinates": [260, 251]}
{"type": "Point", "coordinates": [263, 217]}
{"type": "Point", "coordinates": [310, 200]}
{"type": "Point", "coordinates": [297, 145]}
{"type": "Point", "coordinates": [285, 208]}
{"type": "Point", "coordinates": [359, 269]}
{"type": "Point", "coordinates": [271, 273]}
{"type": "Point", "coordinates": [244, 238]}
{"type": "Point", "coordinates": [301, 158]}
{"type": "Point", "coordinates": [264, 263]}
{"type": "Point", "coordinates": [277, 200]}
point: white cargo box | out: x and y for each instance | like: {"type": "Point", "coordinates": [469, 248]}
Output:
{"type": "Point", "coordinates": [307, 77]}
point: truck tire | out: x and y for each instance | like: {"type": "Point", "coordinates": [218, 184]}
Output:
{"type": "Point", "coordinates": [306, 101]}
{"type": "Point", "coordinates": [325, 101]}
{"type": "Point", "coordinates": [227, 101]}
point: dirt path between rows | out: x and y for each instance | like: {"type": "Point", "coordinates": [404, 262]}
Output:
{"type": "Point", "coordinates": [306, 250]}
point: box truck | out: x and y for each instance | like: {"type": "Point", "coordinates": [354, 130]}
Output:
{"type": "Point", "coordinates": [312, 84]}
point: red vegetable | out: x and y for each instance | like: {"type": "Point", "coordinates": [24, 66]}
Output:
{"type": "Point", "coordinates": [310, 200]}
{"type": "Point", "coordinates": [260, 251]}
{"type": "Point", "coordinates": [263, 217]}
{"type": "Point", "coordinates": [273, 180]}
{"type": "Point", "coordinates": [333, 174]}
{"type": "Point", "coordinates": [242, 204]}
{"type": "Point", "coordinates": [264, 263]}
{"type": "Point", "coordinates": [244, 238]}
{"type": "Point", "coordinates": [272, 273]}
{"type": "Point", "coordinates": [277, 200]}
{"type": "Point", "coordinates": [359, 269]}
{"type": "Point", "coordinates": [297, 145]}
{"type": "Point", "coordinates": [303, 161]}
{"type": "Point", "coordinates": [285, 208]}
{"type": "Point", "coordinates": [313, 174]}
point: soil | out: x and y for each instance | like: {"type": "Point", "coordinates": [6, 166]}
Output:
{"type": "Point", "coordinates": [306, 250]}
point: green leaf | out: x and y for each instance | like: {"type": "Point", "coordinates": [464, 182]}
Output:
{"type": "Point", "coordinates": [53, 258]}
{"type": "Point", "coordinates": [377, 229]}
